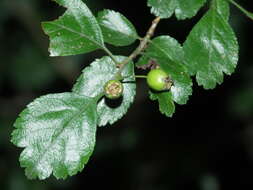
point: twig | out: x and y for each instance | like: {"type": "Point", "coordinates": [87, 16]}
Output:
{"type": "Point", "coordinates": [142, 46]}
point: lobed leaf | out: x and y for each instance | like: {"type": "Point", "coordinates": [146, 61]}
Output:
{"type": "Point", "coordinates": [76, 32]}
{"type": "Point", "coordinates": [211, 48]}
{"type": "Point", "coordinates": [143, 61]}
{"type": "Point", "coordinates": [116, 28]}
{"type": "Point", "coordinates": [188, 8]}
{"type": "Point", "coordinates": [58, 134]}
{"type": "Point", "coordinates": [91, 83]}
{"type": "Point", "coordinates": [166, 103]}
{"type": "Point", "coordinates": [168, 54]}
{"type": "Point", "coordinates": [183, 8]}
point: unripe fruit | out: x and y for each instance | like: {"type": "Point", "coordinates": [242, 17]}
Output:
{"type": "Point", "coordinates": [113, 89]}
{"type": "Point", "coordinates": [158, 80]}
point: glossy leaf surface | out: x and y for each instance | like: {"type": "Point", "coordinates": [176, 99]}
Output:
{"type": "Point", "coordinates": [166, 104]}
{"type": "Point", "coordinates": [91, 83]}
{"type": "Point", "coordinates": [183, 8]}
{"type": "Point", "coordinates": [58, 134]}
{"type": "Point", "coordinates": [116, 28]}
{"type": "Point", "coordinates": [76, 32]}
{"type": "Point", "coordinates": [168, 54]}
{"type": "Point", "coordinates": [211, 48]}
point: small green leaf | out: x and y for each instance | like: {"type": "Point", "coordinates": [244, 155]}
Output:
{"type": "Point", "coordinates": [188, 8]}
{"type": "Point", "coordinates": [182, 8]}
{"type": "Point", "coordinates": [211, 49]}
{"type": "Point", "coordinates": [116, 28]}
{"type": "Point", "coordinates": [58, 134]}
{"type": "Point", "coordinates": [162, 8]}
{"type": "Point", "coordinates": [76, 32]}
{"type": "Point", "coordinates": [168, 53]}
{"type": "Point", "coordinates": [142, 61]}
{"type": "Point", "coordinates": [166, 104]}
{"type": "Point", "coordinates": [91, 83]}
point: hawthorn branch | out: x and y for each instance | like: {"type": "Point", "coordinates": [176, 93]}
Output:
{"type": "Point", "coordinates": [142, 46]}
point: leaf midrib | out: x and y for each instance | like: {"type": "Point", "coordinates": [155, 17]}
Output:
{"type": "Point", "coordinates": [59, 133]}
{"type": "Point", "coordinates": [78, 33]}
{"type": "Point", "coordinates": [134, 37]}
{"type": "Point", "coordinates": [167, 55]}
{"type": "Point", "coordinates": [210, 49]}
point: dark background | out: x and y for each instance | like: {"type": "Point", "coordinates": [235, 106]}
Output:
{"type": "Point", "coordinates": [207, 145]}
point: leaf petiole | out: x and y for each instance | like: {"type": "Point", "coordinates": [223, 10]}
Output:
{"type": "Point", "coordinates": [141, 76]}
{"type": "Point", "coordinates": [247, 13]}
{"type": "Point", "coordinates": [111, 55]}
{"type": "Point", "coordinates": [142, 46]}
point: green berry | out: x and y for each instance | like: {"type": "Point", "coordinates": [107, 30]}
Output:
{"type": "Point", "coordinates": [113, 89]}
{"type": "Point", "coordinates": [158, 80]}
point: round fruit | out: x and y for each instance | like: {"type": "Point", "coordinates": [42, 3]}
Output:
{"type": "Point", "coordinates": [113, 89]}
{"type": "Point", "coordinates": [158, 80]}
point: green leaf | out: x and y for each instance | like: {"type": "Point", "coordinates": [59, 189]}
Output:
{"type": "Point", "coordinates": [116, 28]}
{"type": "Point", "coordinates": [142, 61]}
{"type": "Point", "coordinates": [166, 104]}
{"type": "Point", "coordinates": [58, 134]}
{"type": "Point", "coordinates": [222, 8]}
{"type": "Point", "coordinates": [162, 8]}
{"type": "Point", "coordinates": [211, 49]}
{"type": "Point", "coordinates": [168, 53]}
{"type": "Point", "coordinates": [76, 32]}
{"type": "Point", "coordinates": [91, 83]}
{"type": "Point", "coordinates": [182, 8]}
{"type": "Point", "coordinates": [188, 8]}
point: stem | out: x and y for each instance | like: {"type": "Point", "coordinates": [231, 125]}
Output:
{"type": "Point", "coordinates": [141, 76]}
{"type": "Point", "coordinates": [111, 55]}
{"type": "Point", "coordinates": [247, 13]}
{"type": "Point", "coordinates": [143, 44]}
